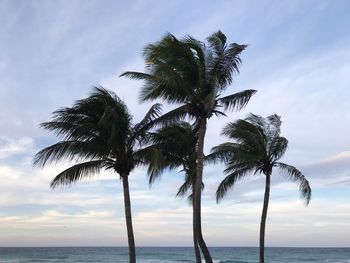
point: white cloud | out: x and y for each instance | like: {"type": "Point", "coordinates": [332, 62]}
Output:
{"type": "Point", "coordinates": [9, 147]}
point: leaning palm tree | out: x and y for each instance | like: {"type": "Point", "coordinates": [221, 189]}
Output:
{"type": "Point", "coordinates": [190, 73]}
{"type": "Point", "coordinates": [174, 147]}
{"type": "Point", "coordinates": [97, 133]}
{"type": "Point", "coordinates": [258, 147]}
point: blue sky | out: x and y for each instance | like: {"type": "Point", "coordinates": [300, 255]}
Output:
{"type": "Point", "coordinates": [53, 52]}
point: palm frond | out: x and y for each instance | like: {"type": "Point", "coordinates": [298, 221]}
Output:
{"type": "Point", "coordinates": [153, 113]}
{"type": "Point", "coordinates": [147, 123]}
{"type": "Point", "coordinates": [229, 181]}
{"type": "Point", "coordinates": [197, 46]}
{"type": "Point", "coordinates": [294, 175]}
{"type": "Point", "coordinates": [70, 125]}
{"type": "Point", "coordinates": [236, 101]}
{"type": "Point", "coordinates": [155, 162]}
{"type": "Point", "coordinates": [273, 128]}
{"type": "Point", "coordinates": [235, 165]}
{"type": "Point", "coordinates": [277, 146]}
{"type": "Point", "coordinates": [226, 60]}
{"type": "Point", "coordinates": [217, 41]}
{"type": "Point", "coordinates": [258, 121]}
{"type": "Point", "coordinates": [233, 60]}
{"type": "Point", "coordinates": [137, 75]}
{"type": "Point", "coordinates": [184, 188]}
{"type": "Point", "coordinates": [167, 85]}
{"type": "Point", "coordinates": [78, 172]}
{"type": "Point", "coordinates": [70, 150]}
{"type": "Point", "coordinates": [188, 185]}
{"type": "Point", "coordinates": [251, 137]}
{"type": "Point", "coordinates": [174, 116]}
{"type": "Point", "coordinates": [222, 153]}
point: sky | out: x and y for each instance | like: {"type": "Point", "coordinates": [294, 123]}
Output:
{"type": "Point", "coordinates": [298, 59]}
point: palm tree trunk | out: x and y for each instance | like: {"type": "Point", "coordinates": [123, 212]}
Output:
{"type": "Point", "coordinates": [131, 241]}
{"type": "Point", "coordinates": [195, 239]}
{"type": "Point", "coordinates": [196, 248]}
{"type": "Point", "coordinates": [198, 190]}
{"type": "Point", "coordinates": [263, 218]}
{"type": "Point", "coordinates": [202, 244]}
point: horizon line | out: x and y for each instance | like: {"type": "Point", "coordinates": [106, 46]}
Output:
{"type": "Point", "coordinates": [173, 246]}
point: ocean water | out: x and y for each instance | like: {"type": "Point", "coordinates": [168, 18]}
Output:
{"type": "Point", "coordinates": [171, 255]}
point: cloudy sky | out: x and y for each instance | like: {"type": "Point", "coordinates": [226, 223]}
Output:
{"type": "Point", "coordinates": [53, 52]}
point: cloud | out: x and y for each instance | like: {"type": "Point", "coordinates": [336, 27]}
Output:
{"type": "Point", "coordinates": [9, 147]}
{"type": "Point", "coordinates": [339, 160]}
{"type": "Point", "coordinates": [332, 170]}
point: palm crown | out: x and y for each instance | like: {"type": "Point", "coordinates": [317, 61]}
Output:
{"type": "Point", "coordinates": [97, 132]}
{"type": "Point", "coordinates": [174, 147]}
{"type": "Point", "coordinates": [189, 72]}
{"type": "Point", "coordinates": [258, 147]}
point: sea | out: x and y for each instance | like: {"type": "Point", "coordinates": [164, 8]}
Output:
{"type": "Point", "coordinates": [171, 255]}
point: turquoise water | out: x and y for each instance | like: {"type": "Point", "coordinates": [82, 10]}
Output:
{"type": "Point", "coordinates": [171, 255]}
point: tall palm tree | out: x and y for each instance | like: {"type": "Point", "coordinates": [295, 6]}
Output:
{"type": "Point", "coordinates": [193, 74]}
{"type": "Point", "coordinates": [97, 133]}
{"type": "Point", "coordinates": [173, 147]}
{"type": "Point", "coordinates": [258, 147]}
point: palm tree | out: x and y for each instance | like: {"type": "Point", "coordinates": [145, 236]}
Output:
{"type": "Point", "coordinates": [190, 73]}
{"type": "Point", "coordinates": [97, 133]}
{"type": "Point", "coordinates": [258, 147]}
{"type": "Point", "coordinates": [173, 147]}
